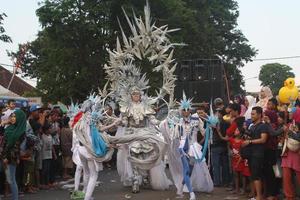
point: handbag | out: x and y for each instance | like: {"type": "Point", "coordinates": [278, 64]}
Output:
{"type": "Point", "coordinates": [292, 144]}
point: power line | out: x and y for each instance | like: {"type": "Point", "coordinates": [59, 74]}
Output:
{"type": "Point", "coordinates": [8, 65]}
{"type": "Point", "coordinates": [257, 59]}
{"type": "Point", "coordinates": [276, 58]}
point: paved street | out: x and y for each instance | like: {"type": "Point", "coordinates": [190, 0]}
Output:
{"type": "Point", "coordinates": [111, 189]}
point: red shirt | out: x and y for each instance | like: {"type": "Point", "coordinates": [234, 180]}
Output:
{"type": "Point", "coordinates": [237, 122]}
{"type": "Point", "coordinates": [231, 129]}
{"type": "Point", "coordinates": [246, 170]}
{"type": "Point", "coordinates": [236, 156]}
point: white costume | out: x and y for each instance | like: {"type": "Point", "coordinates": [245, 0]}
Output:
{"type": "Point", "coordinates": [72, 111]}
{"type": "Point", "coordinates": [139, 161]}
{"type": "Point", "coordinates": [90, 145]}
{"type": "Point", "coordinates": [142, 149]}
{"type": "Point", "coordinates": [187, 166]}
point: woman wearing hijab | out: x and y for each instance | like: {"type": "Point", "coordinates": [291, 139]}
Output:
{"type": "Point", "coordinates": [264, 96]}
{"type": "Point", "coordinates": [249, 103]}
{"type": "Point", "coordinates": [12, 135]}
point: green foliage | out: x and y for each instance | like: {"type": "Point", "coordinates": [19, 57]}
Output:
{"type": "Point", "coordinates": [68, 55]}
{"type": "Point", "coordinates": [33, 93]}
{"type": "Point", "coordinates": [3, 36]}
{"type": "Point", "coordinates": [274, 74]}
{"type": "Point", "coordinates": [235, 80]}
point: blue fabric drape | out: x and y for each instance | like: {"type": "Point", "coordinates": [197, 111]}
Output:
{"type": "Point", "coordinates": [207, 137]}
{"type": "Point", "coordinates": [211, 121]}
{"type": "Point", "coordinates": [99, 145]}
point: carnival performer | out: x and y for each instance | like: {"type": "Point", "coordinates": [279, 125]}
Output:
{"type": "Point", "coordinates": [141, 145]}
{"type": "Point", "coordinates": [187, 165]}
{"type": "Point", "coordinates": [140, 160]}
{"type": "Point", "coordinates": [74, 115]}
{"type": "Point", "coordinates": [93, 146]}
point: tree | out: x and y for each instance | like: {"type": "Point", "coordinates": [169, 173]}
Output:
{"type": "Point", "coordinates": [235, 79]}
{"type": "Point", "coordinates": [209, 28]}
{"type": "Point", "coordinates": [68, 55]}
{"type": "Point", "coordinates": [3, 36]}
{"type": "Point", "coordinates": [274, 74]}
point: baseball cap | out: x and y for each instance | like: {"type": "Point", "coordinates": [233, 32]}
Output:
{"type": "Point", "coordinates": [34, 107]}
{"type": "Point", "coordinates": [218, 101]}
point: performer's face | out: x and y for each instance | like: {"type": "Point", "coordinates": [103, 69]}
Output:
{"type": "Point", "coordinates": [186, 113]}
{"type": "Point", "coordinates": [109, 111]}
{"type": "Point", "coordinates": [136, 97]}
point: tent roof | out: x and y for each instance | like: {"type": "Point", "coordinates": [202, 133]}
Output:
{"type": "Point", "coordinates": [6, 92]}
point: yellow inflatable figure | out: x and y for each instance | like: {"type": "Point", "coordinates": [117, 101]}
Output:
{"type": "Point", "coordinates": [289, 92]}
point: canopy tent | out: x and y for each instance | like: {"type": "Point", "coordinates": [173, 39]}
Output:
{"type": "Point", "coordinates": [6, 92]}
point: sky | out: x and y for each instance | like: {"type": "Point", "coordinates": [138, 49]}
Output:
{"type": "Point", "coordinates": [271, 26]}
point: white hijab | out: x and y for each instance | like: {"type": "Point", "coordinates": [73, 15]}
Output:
{"type": "Point", "coordinates": [252, 103]}
{"type": "Point", "coordinates": [263, 101]}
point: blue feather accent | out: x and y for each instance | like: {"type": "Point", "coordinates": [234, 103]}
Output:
{"type": "Point", "coordinates": [99, 145]}
{"type": "Point", "coordinates": [205, 147]}
{"type": "Point", "coordinates": [185, 104]}
{"type": "Point", "coordinates": [211, 121]}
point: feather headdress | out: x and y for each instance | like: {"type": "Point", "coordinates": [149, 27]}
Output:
{"type": "Point", "coordinates": [73, 109]}
{"type": "Point", "coordinates": [185, 104]}
{"type": "Point", "coordinates": [146, 42]}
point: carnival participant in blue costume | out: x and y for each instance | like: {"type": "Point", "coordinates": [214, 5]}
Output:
{"type": "Point", "coordinates": [191, 173]}
{"type": "Point", "coordinates": [93, 146]}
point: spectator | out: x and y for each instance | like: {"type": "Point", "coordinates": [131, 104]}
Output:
{"type": "Point", "coordinates": [279, 133]}
{"type": "Point", "coordinates": [27, 156]}
{"type": "Point", "coordinates": [226, 116]}
{"type": "Point", "coordinates": [48, 154]}
{"type": "Point", "coordinates": [236, 119]}
{"type": "Point", "coordinates": [219, 104]}
{"type": "Point", "coordinates": [258, 137]}
{"type": "Point", "coordinates": [66, 146]}
{"type": "Point", "coordinates": [11, 106]}
{"type": "Point", "coordinates": [249, 103]}
{"type": "Point", "coordinates": [237, 163]}
{"type": "Point", "coordinates": [36, 120]}
{"type": "Point", "coordinates": [219, 153]}
{"type": "Point", "coordinates": [239, 99]}
{"type": "Point", "coordinates": [296, 114]}
{"type": "Point", "coordinates": [264, 96]}
{"type": "Point", "coordinates": [290, 164]}
{"type": "Point", "coordinates": [271, 187]}
{"type": "Point", "coordinates": [56, 166]}
{"type": "Point", "coordinates": [13, 134]}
